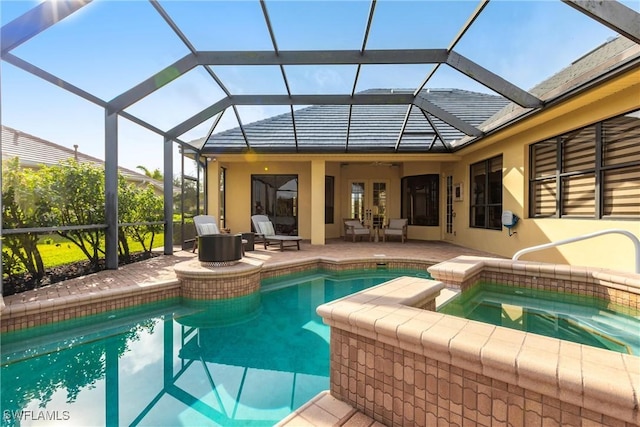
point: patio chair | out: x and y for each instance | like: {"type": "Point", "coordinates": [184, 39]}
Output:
{"type": "Point", "coordinates": [396, 227]}
{"type": "Point", "coordinates": [265, 233]}
{"type": "Point", "coordinates": [354, 228]}
{"type": "Point", "coordinates": [205, 225]}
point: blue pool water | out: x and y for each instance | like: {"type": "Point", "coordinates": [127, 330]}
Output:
{"type": "Point", "coordinates": [585, 320]}
{"type": "Point", "coordinates": [244, 362]}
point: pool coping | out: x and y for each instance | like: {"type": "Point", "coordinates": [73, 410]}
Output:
{"type": "Point", "coordinates": [456, 271]}
{"type": "Point", "coordinates": [34, 312]}
{"type": "Point", "coordinates": [535, 377]}
{"type": "Point", "coordinates": [620, 288]}
{"type": "Point", "coordinates": [326, 410]}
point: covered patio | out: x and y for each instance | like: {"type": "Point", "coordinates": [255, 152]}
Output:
{"type": "Point", "coordinates": [455, 140]}
{"type": "Point", "coordinates": [428, 132]}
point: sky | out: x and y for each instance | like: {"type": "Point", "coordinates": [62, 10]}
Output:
{"type": "Point", "coordinates": [109, 46]}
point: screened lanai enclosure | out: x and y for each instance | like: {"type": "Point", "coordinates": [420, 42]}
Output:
{"type": "Point", "coordinates": [177, 83]}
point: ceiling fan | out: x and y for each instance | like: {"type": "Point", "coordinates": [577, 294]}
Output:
{"type": "Point", "coordinates": [388, 164]}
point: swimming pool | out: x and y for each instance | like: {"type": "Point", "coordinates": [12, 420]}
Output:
{"type": "Point", "coordinates": [581, 319]}
{"type": "Point", "coordinates": [249, 361]}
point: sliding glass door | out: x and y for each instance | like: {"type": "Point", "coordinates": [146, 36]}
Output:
{"type": "Point", "coordinates": [277, 197]}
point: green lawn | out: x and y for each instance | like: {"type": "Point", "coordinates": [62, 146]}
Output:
{"type": "Point", "coordinates": [56, 251]}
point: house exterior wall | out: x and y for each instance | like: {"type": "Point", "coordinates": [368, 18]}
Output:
{"type": "Point", "coordinates": [612, 251]}
{"type": "Point", "coordinates": [318, 201]}
{"type": "Point", "coordinates": [426, 168]}
{"type": "Point", "coordinates": [368, 172]}
{"type": "Point", "coordinates": [238, 189]}
{"type": "Point", "coordinates": [332, 231]}
{"type": "Point", "coordinates": [615, 97]}
{"type": "Point", "coordinates": [239, 169]}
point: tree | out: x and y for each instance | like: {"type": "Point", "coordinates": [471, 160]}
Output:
{"type": "Point", "coordinates": [21, 209]}
{"type": "Point", "coordinates": [78, 364]}
{"type": "Point", "coordinates": [188, 196]}
{"type": "Point", "coordinates": [73, 194]}
{"type": "Point", "coordinates": [126, 203]}
{"type": "Point", "coordinates": [140, 205]}
{"type": "Point", "coordinates": [156, 174]}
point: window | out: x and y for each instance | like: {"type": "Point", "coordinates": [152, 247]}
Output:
{"type": "Point", "coordinates": [450, 196]}
{"type": "Point", "coordinates": [593, 172]}
{"type": "Point", "coordinates": [420, 199]}
{"type": "Point", "coordinates": [329, 182]}
{"type": "Point", "coordinates": [486, 194]}
{"type": "Point", "coordinates": [277, 197]}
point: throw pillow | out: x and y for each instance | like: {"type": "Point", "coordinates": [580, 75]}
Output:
{"type": "Point", "coordinates": [208, 229]}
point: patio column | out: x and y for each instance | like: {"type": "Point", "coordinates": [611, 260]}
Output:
{"type": "Point", "coordinates": [168, 196]}
{"type": "Point", "coordinates": [317, 201]}
{"type": "Point", "coordinates": [111, 189]}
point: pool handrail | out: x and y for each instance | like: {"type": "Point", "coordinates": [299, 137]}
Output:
{"type": "Point", "coordinates": [633, 237]}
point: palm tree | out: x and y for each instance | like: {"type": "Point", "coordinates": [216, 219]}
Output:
{"type": "Point", "coordinates": [156, 174]}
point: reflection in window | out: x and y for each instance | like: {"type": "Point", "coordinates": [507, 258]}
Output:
{"type": "Point", "coordinates": [277, 197]}
{"type": "Point", "coordinates": [379, 203]}
{"type": "Point", "coordinates": [420, 199]}
{"type": "Point", "coordinates": [357, 200]}
{"type": "Point", "coordinates": [592, 172]}
{"type": "Point", "coordinates": [486, 194]}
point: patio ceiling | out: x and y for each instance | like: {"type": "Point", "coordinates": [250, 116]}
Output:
{"type": "Point", "coordinates": [258, 53]}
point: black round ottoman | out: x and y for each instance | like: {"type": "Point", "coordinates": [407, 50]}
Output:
{"type": "Point", "coordinates": [220, 249]}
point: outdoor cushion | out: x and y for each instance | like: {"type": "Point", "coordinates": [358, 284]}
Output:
{"type": "Point", "coordinates": [210, 228]}
{"type": "Point", "coordinates": [397, 223]}
{"type": "Point", "coordinates": [359, 230]}
{"type": "Point", "coordinates": [353, 223]}
{"type": "Point", "coordinates": [266, 228]}
{"type": "Point", "coordinates": [394, 231]}
{"type": "Point", "coordinates": [396, 227]}
{"type": "Point", "coordinates": [353, 228]}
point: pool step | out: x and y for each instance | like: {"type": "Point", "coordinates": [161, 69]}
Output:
{"type": "Point", "coordinates": [324, 409]}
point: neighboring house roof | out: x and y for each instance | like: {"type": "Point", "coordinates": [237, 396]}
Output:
{"type": "Point", "coordinates": [33, 152]}
{"type": "Point", "coordinates": [374, 128]}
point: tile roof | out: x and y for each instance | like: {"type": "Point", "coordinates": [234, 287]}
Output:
{"type": "Point", "coordinates": [34, 152]}
{"type": "Point", "coordinates": [374, 128]}
{"type": "Point", "coordinates": [594, 64]}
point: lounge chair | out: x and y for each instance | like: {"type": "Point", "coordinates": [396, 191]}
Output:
{"type": "Point", "coordinates": [265, 233]}
{"type": "Point", "coordinates": [353, 228]}
{"type": "Point", "coordinates": [207, 224]}
{"type": "Point", "coordinates": [396, 227]}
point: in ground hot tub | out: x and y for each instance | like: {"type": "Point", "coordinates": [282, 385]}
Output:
{"type": "Point", "coordinates": [220, 249]}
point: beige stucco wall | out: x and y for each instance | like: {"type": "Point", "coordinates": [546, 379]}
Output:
{"type": "Point", "coordinates": [368, 172]}
{"type": "Point", "coordinates": [617, 96]}
{"type": "Point", "coordinates": [239, 191]}
{"type": "Point", "coordinates": [427, 168]}
{"type": "Point", "coordinates": [333, 230]}
{"type": "Point", "coordinates": [239, 169]}
{"type": "Point", "coordinates": [607, 251]}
